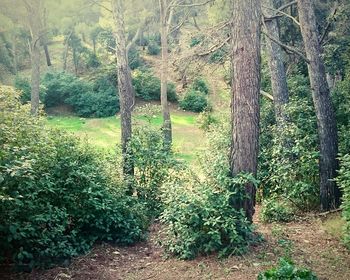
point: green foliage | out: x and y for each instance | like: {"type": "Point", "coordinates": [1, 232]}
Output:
{"type": "Point", "coordinates": [199, 84]}
{"type": "Point", "coordinates": [201, 220]}
{"type": "Point", "coordinates": [274, 210]}
{"type": "Point", "coordinates": [153, 167]}
{"type": "Point", "coordinates": [134, 57]}
{"type": "Point", "coordinates": [286, 270]}
{"type": "Point", "coordinates": [89, 99]}
{"type": "Point", "coordinates": [344, 182]}
{"type": "Point", "coordinates": [147, 86]}
{"type": "Point", "coordinates": [196, 40]}
{"type": "Point", "coordinates": [341, 100]}
{"type": "Point", "coordinates": [194, 101]}
{"type": "Point", "coordinates": [57, 196]}
{"type": "Point", "coordinates": [205, 120]}
{"type": "Point", "coordinates": [153, 48]}
{"type": "Point", "coordinates": [289, 154]}
{"type": "Point", "coordinates": [199, 216]}
{"type": "Point", "coordinates": [22, 84]}
{"type": "Point", "coordinates": [218, 56]}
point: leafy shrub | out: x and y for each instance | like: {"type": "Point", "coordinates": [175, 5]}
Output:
{"type": "Point", "coordinates": [199, 84]}
{"type": "Point", "coordinates": [147, 86]}
{"type": "Point", "coordinates": [56, 197]}
{"type": "Point", "coordinates": [201, 220]}
{"type": "Point", "coordinates": [274, 210]}
{"type": "Point", "coordinates": [134, 57]}
{"type": "Point", "coordinates": [22, 84]}
{"type": "Point", "coordinates": [218, 56]}
{"type": "Point", "coordinates": [286, 270]}
{"type": "Point", "coordinates": [61, 85]}
{"type": "Point", "coordinates": [153, 166]}
{"type": "Point", "coordinates": [289, 156]}
{"type": "Point", "coordinates": [153, 48]}
{"type": "Point", "coordinates": [205, 120]}
{"type": "Point", "coordinates": [194, 101]}
{"type": "Point", "coordinates": [341, 100]}
{"type": "Point", "coordinates": [344, 182]}
{"type": "Point", "coordinates": [89, 99]}
{"type": "Point", "coordinates": [196, 40]}
{"type": "Point", "coordinates": [199, 216]}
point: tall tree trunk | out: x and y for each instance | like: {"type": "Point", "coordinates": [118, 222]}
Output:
{"type": "Point", "coordinates": [66, 49]}
{"type": "Point", "coordinates": [164, 74]}
{"type": "Point", "coordinates": [275, 61]}
{"type": "Point", "coordinates": [47, 54]}
{"type": "Point", "coordinates": [327, 128]}
{"type": "Point", "coordinates": [125, 89]}
{"type": "Point", "coordinates": [14, 53]}
{"type": "Point", "coordinates": [245, 95]}
{"type": "Point", "coordinates": [33, 12]}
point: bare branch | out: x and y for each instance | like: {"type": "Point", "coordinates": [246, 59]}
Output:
{"type": "Point", "coordinates": [100, 5]}
{"type": "Point", "coordinates": [194, 4]}
{"type": "Point", "coordinates": [330, 20]}
{"type": "Point", "coordinates": [286, 6]}
{"type": "Point", "coordinates": [266, 94]}
{"type": "Point", "coordinates": [286, 47]}
{"type": "Point", "coordinates": [277, 15]}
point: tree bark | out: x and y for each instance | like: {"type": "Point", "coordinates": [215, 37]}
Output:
{"type": "Point", "coordinates": [125, 89]}
{"type": "Point", "coordinates": [275, 61]}
{"type": "Point", "coordinates": [33, 12]}
{"type": "Point", "coordinates": [167, 130]}
{"type": "Point", "coordinates": [327, 128]}
{"type": "Point", "coordinates": [66, 49]}
{"type": "Point", "coordinates": [245, 95]}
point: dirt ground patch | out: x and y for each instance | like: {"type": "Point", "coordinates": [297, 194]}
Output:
{"type": "Point", "coordinates": [305, 241]}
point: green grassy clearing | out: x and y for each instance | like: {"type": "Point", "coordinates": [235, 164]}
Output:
{"type": "Point", "coordinates": [104, 133]}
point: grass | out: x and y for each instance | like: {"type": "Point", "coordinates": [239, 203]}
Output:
{"type": "Point", "coordinates": [104, 133]}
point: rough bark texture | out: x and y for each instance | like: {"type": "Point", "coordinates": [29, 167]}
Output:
{"type": "Point", "coordinates": [245, 94]}
{"type": "Point", "coordinates": [327, 128]}
{"type": "Point", "coordinates": [275, 61]}
{"type": "Point", "coordinates": [164, 74]}
{"type": "Point", "coordinates": [125, 89]}
{"type": "Point", "coordinates": [33, 11]}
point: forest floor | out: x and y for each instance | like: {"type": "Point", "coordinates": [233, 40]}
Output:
{"type": "Point", "coordinates": [310, 242]}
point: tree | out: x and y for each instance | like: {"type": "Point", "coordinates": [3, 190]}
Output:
{"type": "Point", "coordinates": [245, 95]}
{"type": "Point", "coordinates": [166, 13]}
{"type": "Point", "coordinates": [33, 8]}
{"type": "Point", "coordinates": [275, 61]}
{"type": "Point", "coordinates": [327, 127]}
{"type": "Point", "coordinates": [125, 89]}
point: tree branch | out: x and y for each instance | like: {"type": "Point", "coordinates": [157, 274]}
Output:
{"type": "Point", "coordinates": [286, 47]}
{"type": "Point", "coordinates": [331, 19]}
{"type": "Point", "coordinates": [277, 15]}
{"type": "Point", "coordinates": [100, 5]}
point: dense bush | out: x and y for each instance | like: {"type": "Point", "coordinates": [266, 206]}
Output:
{"type": "Point", "coordinates": [286, 270]}
{"type": "Point", "coordinates": [56, 197]}
{"type": "Point", "coordinates": [276, 210]}
{"type": "Point", "coordinates": [147, 86]}
{"type": "Point", "coordinates": [288, 162]}
{"type": "Point", "coordinates": [199, 217]}
{"type": "Point", "coordinates": [97, 98]}
{"type": "Point", "coordinates": [199, 84]}
{"type": "Point", "coordinates": [134, 57]}
{"type": "Point", "coordinates": [61, 85]}
{"type": "Point", "coordinates": [153, 167]}
{"type": "Point", "coordinates": [153, 48]}
{"type": "Point", "coordinates": [344, 182]}
{"type": "Point", "coordinates": [194, 101]}
{"type": "Point", "coordinates": [22, 84]}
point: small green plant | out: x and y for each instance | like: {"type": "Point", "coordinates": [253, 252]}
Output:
{"type": "Point", "coordinates": [274, 210]}
{"type": "Point", "coordinates": [194, 101]}
{"type": "Point", "coordinates": [153, 48]}
{"type": "Point", "coordinates": [147, 86]}
{"type": "Point", "coordinates": [199, 84]}
{"type": "Point", "coordinates": [205, 120]}
{"type": "Point", "coordinates": [344, 182]}
{"type": "Point", "coordinates": [286, 270]}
